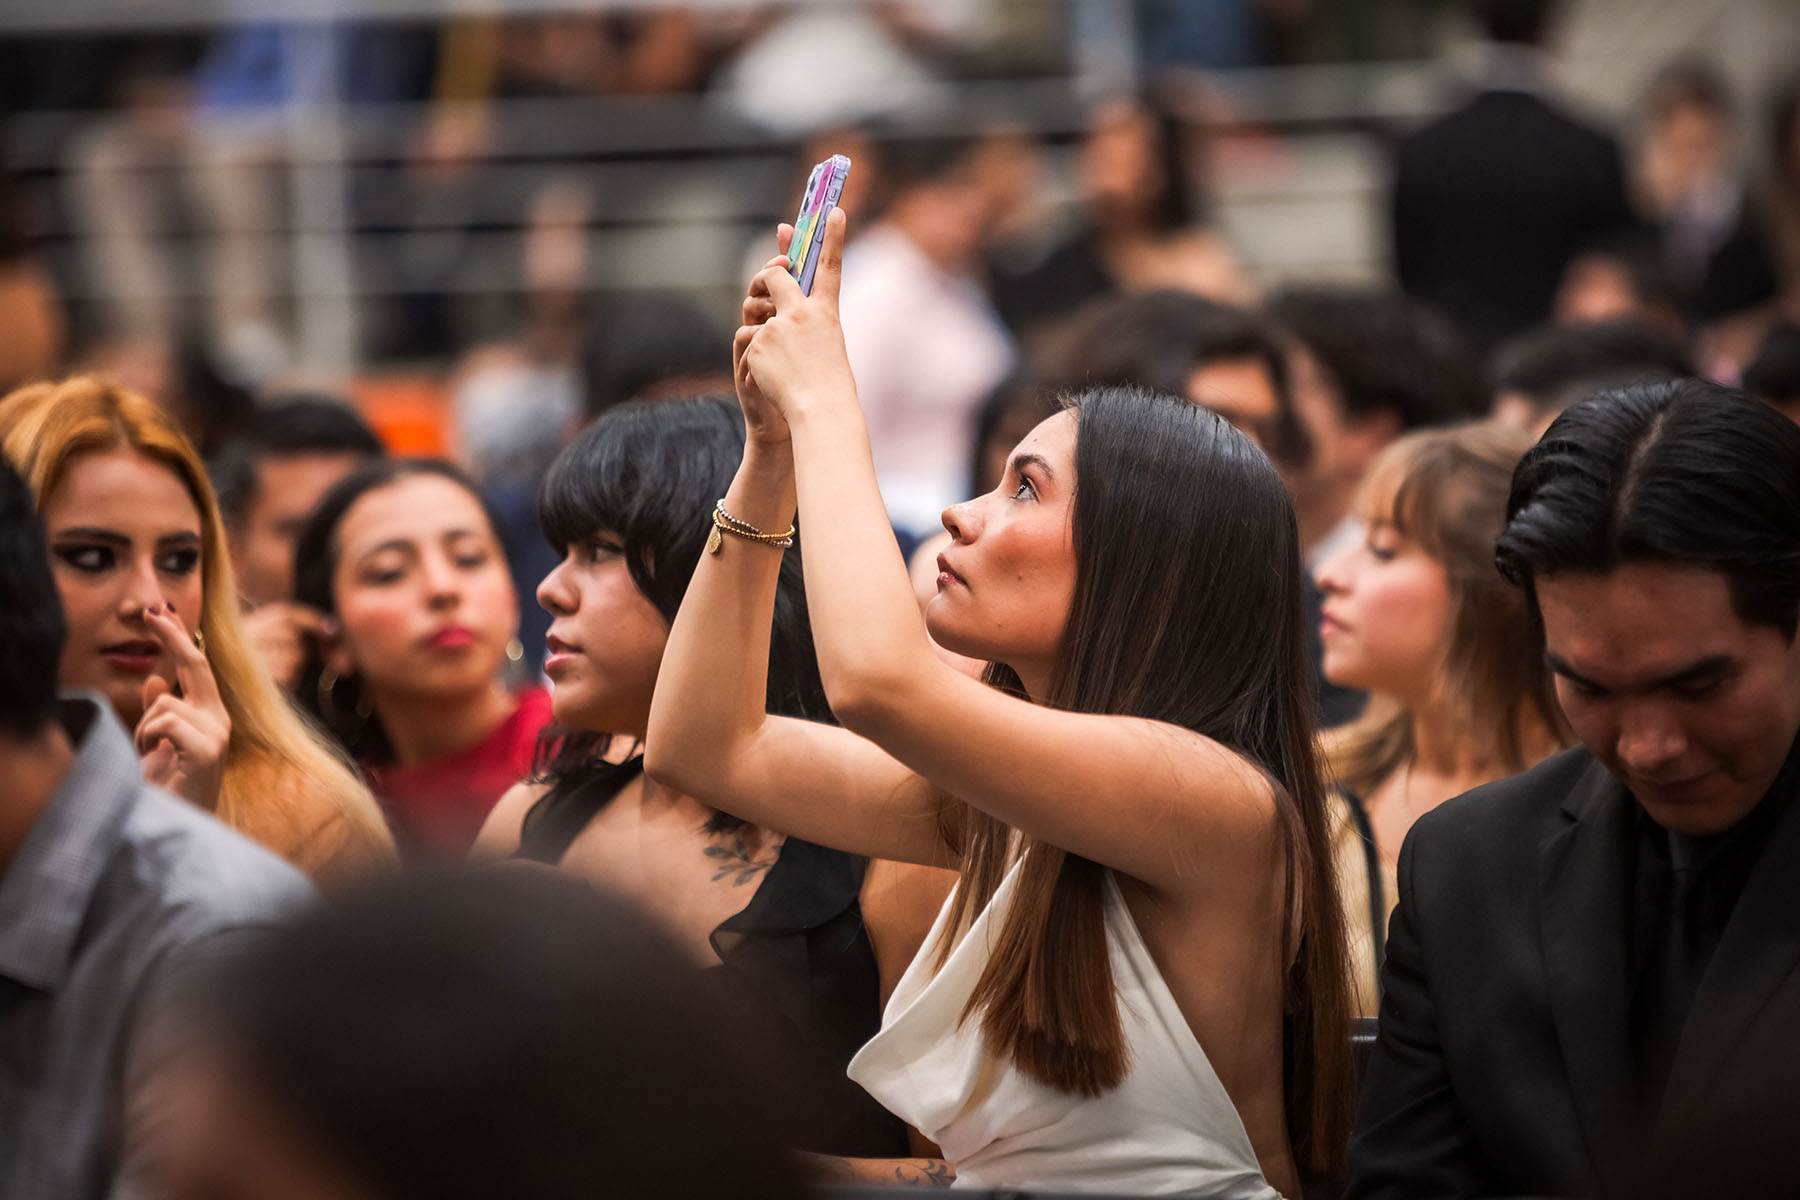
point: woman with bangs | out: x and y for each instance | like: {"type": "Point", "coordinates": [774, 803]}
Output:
{"type": "Point", "coordinates": [1418, 616]}
{"type": "Point", "coordinates": [814, 936]}
{"type": "Point", "coordinates": [138, 551]}
{"type": "Point", "coordinates": [1139, 986]}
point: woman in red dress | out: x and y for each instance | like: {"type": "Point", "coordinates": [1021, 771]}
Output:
{"type": "Point", "coordinates": [403, 556]}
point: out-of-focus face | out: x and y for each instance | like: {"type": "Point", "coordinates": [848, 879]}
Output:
{"type": "Point", "coordinates": [1595, 287]}
{"type": "Point", "coordinates": [425, 605]}
{"type": "Point", "coordinates": [1007, 580]}
{"type": "Point", "coordinates": [1243, 392]}
{"type": "Point", "coordinates": [288, 487]}
{"type": "Point", "coordinates": [125, 534]}
{"type": "Point", "coordinates": [1120, 169]}
{"type": "Point", "coordinates": [605, 642]}
{"type": "Point", "coordinates": [1693, 709]}
{"type": "Point", "coordinates": [1692, 144]}
{"type": "Point", "coordinates": [1386, 617]}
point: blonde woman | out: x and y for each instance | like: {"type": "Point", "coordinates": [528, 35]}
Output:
{"type": "Point", "coordinates": [138, 552]}
{"type": "Point", "coordinates": [1417, 615]}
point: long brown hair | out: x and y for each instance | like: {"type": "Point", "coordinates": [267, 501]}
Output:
{"type": "Point", "coordinates": [46, 426]}
{"type": "Point", "coordinates": [1445, 489]}
{"type": "Point", "coordinates": [1188, 609]}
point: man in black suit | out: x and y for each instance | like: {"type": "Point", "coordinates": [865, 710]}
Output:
{"type": "Point", "coordinates": [1492, 201]}
{"type": "Point", "coordinates": [1592, 983]}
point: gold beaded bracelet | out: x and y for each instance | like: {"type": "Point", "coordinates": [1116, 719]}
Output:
{"type": "Point", "coordinates": [724, 522]}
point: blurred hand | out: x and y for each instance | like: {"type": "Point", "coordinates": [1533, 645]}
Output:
{"type": "Point", "coordinates": [278, 634]}
{"type": "Point", "coordinates": [797, 354]}
{"type": "Point", "coordinates": [185, 729]}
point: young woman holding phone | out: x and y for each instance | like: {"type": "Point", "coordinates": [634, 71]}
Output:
{"type": "Point", "coordinates": [1140, 983]}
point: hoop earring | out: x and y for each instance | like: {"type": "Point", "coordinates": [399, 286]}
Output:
{"type": "Point", "coordinates": [515, 652]}
{"type": "Point", "coordinates": [334, 716]}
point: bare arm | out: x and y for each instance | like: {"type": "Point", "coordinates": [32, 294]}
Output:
{"type": "Point", "coordinates": [904, 1172]}
{"type": "Point", "coordinates": [1159, 803]}
{"type": "Point", "coordinates": [500, 833]}
{"type": "Point", "coordinates": [710, 735]}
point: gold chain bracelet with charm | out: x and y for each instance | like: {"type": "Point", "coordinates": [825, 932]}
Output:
{"type": "Point", "coordinates": [724, 522]}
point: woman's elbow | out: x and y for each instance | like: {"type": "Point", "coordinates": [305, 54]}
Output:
{"type": "Point", "coordinates": [865, 695]}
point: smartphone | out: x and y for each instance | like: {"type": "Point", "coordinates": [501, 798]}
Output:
{"type": "Point", "coordinates": [823, 187]}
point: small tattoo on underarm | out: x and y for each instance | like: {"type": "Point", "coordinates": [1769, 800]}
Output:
{"type": "Point", "coordinates": [734, 861]}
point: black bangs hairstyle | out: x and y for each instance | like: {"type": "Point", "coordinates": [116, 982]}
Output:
{"type": "Point", "coordinates": [1188, 609]}
{"type": "Point", "coordinates": [342, 710]}
{"type": "Point", "coordinates": [649, 473]}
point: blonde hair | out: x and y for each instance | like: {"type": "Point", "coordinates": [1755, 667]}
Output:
{"type": "Point", "coordinates": [45, 427]}
{"type": "Point", "coordinates": [1445, 489]}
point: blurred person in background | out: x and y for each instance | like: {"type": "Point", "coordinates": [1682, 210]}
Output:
{"type": "Point", "coordinates": [140, 558]}
{"type": "Point", "coordinates": [412, 676]}
{"type": "Point", "coordinates": [1621, 277]}
{"type": "Point", "coordinates": [1538, 374]}
{"type": "Point", "coordinates": [1368, 365]}
{"type": "Point", "coordinates": [267, 480]}
{"type": "Point", "coordinates": [925, 343]}
{"type": "Point", "coordinates": [1780, 193]}
{"type": "Point", "coordinates": [468, 1036]}
{"type": "Point", "coordinates": [1417, 617]}
{"type": "Point", "coordinates": [1141, 225]}
{"type": "Point", "coordinates": [816, 936]}
{"type": "Point", "coordinates": [1693, 189]}
{"type": "Point", "coordinates": [1227, 359]}
{"type": "Point", "coordinates": [31, 312]}
{"type": "Point", "coordinates": [209, 150]}
{"type": "Point", "coordinates": [1491, 202]}
{"type": "Point", "coordinates": [1773, 376]}
{"type": "Point", "coordinates": [112, 893]}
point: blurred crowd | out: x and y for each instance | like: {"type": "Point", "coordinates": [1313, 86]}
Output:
{"type": "Point", "coordinates": [416, 613]}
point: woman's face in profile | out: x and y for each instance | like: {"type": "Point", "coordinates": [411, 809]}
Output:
{"type": "Point", "coordinates": [1386, 616]}
{"type": "Point", "coordinates": [1007, 579]}
{"type": "Point", "coordinates": [424, 601]}
{"type": "Point", "coordinates": [125, 534]}
{"type": "Point", "coordinates": [606, 642]}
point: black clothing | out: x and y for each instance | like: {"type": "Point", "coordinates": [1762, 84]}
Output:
{"type": "Point", "coordinates": [1506, 1064]}
{"type": "Point", "coordinates": [797, 950]}
{"type": "Point", "coordinates": [1683, 893]}
{"type": "Point", "coordinates": [1492, 201]}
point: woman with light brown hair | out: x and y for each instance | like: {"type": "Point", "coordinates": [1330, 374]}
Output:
{"type": "Point", "coordinates": [1417, 615]}
{"type": "Point", "coordinates": [137, 548]}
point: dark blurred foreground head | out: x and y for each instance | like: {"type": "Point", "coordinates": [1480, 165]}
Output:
{"type": "Point", "coordinates": [464, 1035]}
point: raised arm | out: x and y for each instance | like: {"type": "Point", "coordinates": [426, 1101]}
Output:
{"type": "Point", "coordinates": [1159, 803]}
{"type": "Point", "coordinates": [710, 734]}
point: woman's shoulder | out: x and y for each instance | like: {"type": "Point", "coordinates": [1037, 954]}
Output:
{"type": "Point", "coordinates": [500, 833]}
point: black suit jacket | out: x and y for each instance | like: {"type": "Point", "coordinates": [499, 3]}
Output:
{"type": "Point", "coordinates": [1504, 1067]}
{"type": "Point", "coordinates": [1492, 201]}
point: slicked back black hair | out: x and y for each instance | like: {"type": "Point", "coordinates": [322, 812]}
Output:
{"type": "Point", "coordinates": [1685, 472]}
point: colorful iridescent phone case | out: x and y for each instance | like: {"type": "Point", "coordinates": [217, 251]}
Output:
{"type": "Point", "coordinates": [823, 187]}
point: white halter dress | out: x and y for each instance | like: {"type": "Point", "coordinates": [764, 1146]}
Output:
{"type": "Point", "coordinates": [1169, 1129]}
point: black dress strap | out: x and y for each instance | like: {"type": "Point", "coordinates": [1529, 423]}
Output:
{"type": "Point", "coordinates": [557, 819]}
